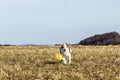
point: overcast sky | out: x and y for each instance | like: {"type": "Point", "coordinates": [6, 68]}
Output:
{"type": "Point", "coordinates": [56, 21]}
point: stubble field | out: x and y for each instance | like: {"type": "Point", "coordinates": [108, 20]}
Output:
{"type": "Point", "coordinates": [38, 63]}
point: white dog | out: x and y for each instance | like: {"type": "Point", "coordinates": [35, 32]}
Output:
{"type": "Point", "coordinates": [66, 52]}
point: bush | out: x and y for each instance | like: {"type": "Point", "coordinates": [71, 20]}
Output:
{"type": "Point", "coordinates": [111, 38]}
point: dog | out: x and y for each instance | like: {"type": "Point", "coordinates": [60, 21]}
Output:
{"type": "Point", "coordinates": [66, 52]}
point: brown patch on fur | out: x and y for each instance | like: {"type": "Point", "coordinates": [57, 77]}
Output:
{"type": "Point", "coordinates": [61, 46]}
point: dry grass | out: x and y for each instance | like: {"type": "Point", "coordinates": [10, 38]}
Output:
{"type": "Point", "coordinates": [38, 63]}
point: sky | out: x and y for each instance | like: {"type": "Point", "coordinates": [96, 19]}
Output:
{"type": "Point", "coordinates": [56, 21]}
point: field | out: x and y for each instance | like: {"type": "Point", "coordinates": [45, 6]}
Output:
{"type": "Point", "coordinates": [38, 63]}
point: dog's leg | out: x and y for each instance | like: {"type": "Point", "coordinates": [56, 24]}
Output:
{"type": "Point", "coordinates": [70, 59]}
{"type": "Point", "coordinates": [64, 60]}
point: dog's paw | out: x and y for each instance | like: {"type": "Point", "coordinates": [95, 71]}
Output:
{"type": "Point", "coordinates": [65, 63]}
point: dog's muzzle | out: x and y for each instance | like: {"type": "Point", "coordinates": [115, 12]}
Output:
{"type": "Point", "coordinates": [64, 50]}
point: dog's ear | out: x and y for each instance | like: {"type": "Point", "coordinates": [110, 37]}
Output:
{"type": "Point", "coordinates": [61, 46]}
{"type": "Point", "coordinates": [68, 44]}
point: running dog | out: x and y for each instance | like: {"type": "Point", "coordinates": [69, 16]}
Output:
{"type": "Point", "coordinates": [66, 52]}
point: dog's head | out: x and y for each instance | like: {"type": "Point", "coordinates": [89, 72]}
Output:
{"type": "Point", "coordinates": [64, 46]}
